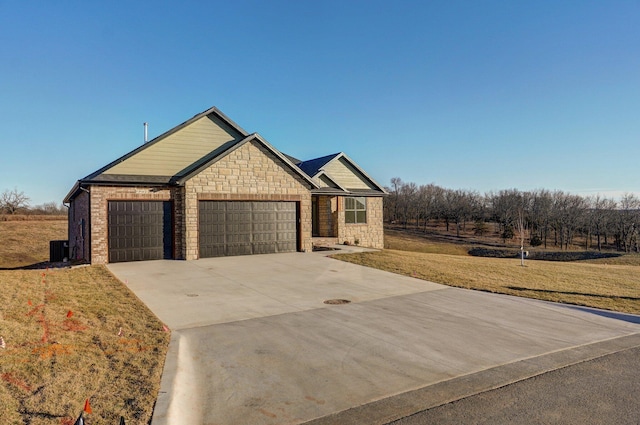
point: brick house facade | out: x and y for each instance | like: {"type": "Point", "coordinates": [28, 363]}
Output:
{"type": "Point", "coordinates": [148, 204]}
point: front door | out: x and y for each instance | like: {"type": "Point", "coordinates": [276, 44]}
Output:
{"type": "Point", "coordinates": [315, 224]}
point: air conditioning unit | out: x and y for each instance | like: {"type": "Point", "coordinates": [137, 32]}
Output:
{"type": "Point", "coordinates": [58, 251]}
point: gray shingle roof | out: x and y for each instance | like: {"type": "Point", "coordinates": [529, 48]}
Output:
{"type": "Point", "coordinates": [312, 166]}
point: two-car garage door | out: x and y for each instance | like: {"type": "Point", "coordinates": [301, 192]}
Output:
{"type": "Point", "coordinates": [247, 227]}
{"type": "Point", "coordinates": [143, 230]}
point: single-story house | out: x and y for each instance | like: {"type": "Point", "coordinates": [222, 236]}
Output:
{"type": "Point", "coordinates": [208, 188]}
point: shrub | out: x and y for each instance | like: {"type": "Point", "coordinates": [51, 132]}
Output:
{"type": "Point", "coordinates": [535, 240]}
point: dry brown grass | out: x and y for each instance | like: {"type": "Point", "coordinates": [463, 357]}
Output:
{"type": "Point", "coordinates": [622, 260]}
{"type": "Point", "coordinates": [32, 217]}
{"type": "Point", "coordinates": [402, 241]}
{"type": "Point", "coordinates": [593, 283]}
{"type": "Point", "coordinates": [23, 243]}
{"type": "Point", "coordinates": [72, 334]}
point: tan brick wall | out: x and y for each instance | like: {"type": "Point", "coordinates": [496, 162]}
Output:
{"type": "Point", "coordinates": [79, 240]}
{"type": "Point", "coordinates": [250, 172]}
{"type": "Point", "coordinates": [100, 195]}
{"type": "Point", "coordinates": [369, 235]}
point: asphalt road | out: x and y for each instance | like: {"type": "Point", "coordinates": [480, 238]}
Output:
{"type": "Point", "coordinates": [605, 390]}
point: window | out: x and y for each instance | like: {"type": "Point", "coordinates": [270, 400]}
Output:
{"type": "Point", "coordinates": [355, 210]}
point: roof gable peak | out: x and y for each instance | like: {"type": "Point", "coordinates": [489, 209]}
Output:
{"type": "Point", "coordinates": [225, 150]}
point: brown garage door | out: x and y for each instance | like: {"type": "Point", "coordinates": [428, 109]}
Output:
{"type": "Point", "coordinates": [140, 230]}
{"type": "Point", "coordinates": [246, 227]}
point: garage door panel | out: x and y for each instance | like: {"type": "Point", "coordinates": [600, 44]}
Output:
{"type": "Point", "coordinates": [264, 248]}
{"type": "Point", "coordinates": [237, 249]}
{"type": "Point", "coordinates": [286, 246]}
{"type": "Point", "coordinates": [242, 228]}
{"type": "Point", "coordinates": [139, 230]}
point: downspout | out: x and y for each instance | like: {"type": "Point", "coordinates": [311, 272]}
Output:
{"type": "Point", "coordinates": [68, 207]}
{"type": "Point", "coordinates": [88, 232]}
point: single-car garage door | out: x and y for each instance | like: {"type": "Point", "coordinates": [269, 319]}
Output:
{"type": "Point", "coordinates": [247, 227]}
{"type": "Point", "coordinates": [140, 230]}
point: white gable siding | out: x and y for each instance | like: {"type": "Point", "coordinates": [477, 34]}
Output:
{"type": "Point", "coordinates": [179, 150]}
{"type": "Point", "coordinates": [324, 181]}
{"type": "Point", "coordinates": [346, 175]}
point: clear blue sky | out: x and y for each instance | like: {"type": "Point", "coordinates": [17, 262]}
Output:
{"type": "Point", "coordinates": [481, 95]}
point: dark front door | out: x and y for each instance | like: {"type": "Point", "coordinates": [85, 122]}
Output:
{"type": "Point", "coordinates": [140, 230]}
{"type": "Point", "coordinates": [247, 227]}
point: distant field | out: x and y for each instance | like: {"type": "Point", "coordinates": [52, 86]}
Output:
{"type": "Point", "coordinates": [31, 217]}
{"type": "Point", "coordinates": [26, 242]}
{"type": "Point", "coordinates": [611, 283]}
{"type": "Point", "coordinates": [71, 334]}
{"type": "Point", "coordinates": [401, 241]}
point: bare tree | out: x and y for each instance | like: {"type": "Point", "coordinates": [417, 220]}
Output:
{"type": "Point", "coordinates": [567, 212]}
{"type": "Point", "coordinates": [504, 210]}
{"type": "Point", "coordinates": [600, 217]}
{"type": "Point", "coordinates": [540, 216]}
{"type": "Point", "coordinates": [429, 202]}
{"type": "Point", "coordinates": [11, 201]}
{"type": "Point", "coordinates": [521, 228]}
{"type": "Point", "coordinates": [394, 200]}
{"type": "Point", "coordinates": [460, 206]}
{"type": "Point", "coordinates": [48, 208]}
{"type": "Point", "coordinates": [628, 223]}
{"type": "Point", "coordinates": [407, 201]}
{"type": "Point", "coordinates": [533, 215]}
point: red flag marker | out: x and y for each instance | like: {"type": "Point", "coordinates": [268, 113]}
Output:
{"type": "Point", "coordinates": [87, 407]}
{"type": "Point", "coordinates": [29, 302]}
{"type": "Point", "coordinates": [70, 313]}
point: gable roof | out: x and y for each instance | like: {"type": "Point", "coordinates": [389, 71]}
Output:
{"type": "Point", "coordinates": [326, 179]}
{"type": "Point", "coordinates": [217, 154]}
{"type": "Point", "coordinates": [176, 155]}
{"type": "Point", "coordinates": [185, 150]}
{"type": "Point", "coordinates": [343, 172]}
{"type": "Point", "coordinates": [167, 154]}
{"type": "Point", "coordinates": [313, 166]}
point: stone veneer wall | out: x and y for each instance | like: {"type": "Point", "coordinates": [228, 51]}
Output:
{"type": "Point", "coordinates": [250, 172]}
{"type": "Point", "coordinates": [78, 215]}
{"type": "Point", "coordinates": [369, 235]}
{"type": "Point", "coordinates": [100, 195]}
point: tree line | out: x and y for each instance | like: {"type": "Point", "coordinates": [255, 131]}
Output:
{"type": "Point", "coordinates": [539, 217]}
{"type": "Point", "coordinates": [17, 202]}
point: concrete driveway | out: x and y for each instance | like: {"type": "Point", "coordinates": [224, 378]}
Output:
{"type": "Point", "coordinates": [252, 341]}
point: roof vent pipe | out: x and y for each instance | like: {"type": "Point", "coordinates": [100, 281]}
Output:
{"type": "Point", "coordinates": [146, 127]}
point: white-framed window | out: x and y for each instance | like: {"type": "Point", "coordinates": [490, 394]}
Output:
{"type": "Point", "coordinates": [355, 210]}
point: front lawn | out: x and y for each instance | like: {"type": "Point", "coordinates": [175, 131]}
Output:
{"type": "Point", "coordinates": [71, 334]}
{"type": "Point", "coordinates": [612, 284]}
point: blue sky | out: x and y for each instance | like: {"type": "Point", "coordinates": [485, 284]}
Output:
{"type": "Point", "coordinates": [479, 95]}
